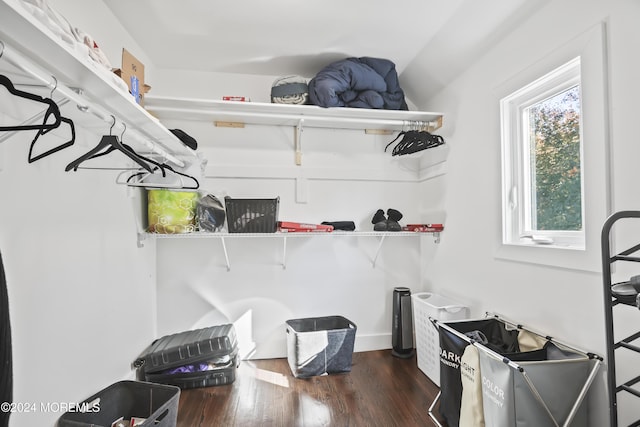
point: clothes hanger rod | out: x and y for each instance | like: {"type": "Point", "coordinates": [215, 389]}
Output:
{"type": "Point", "coordinates": [16, 59]}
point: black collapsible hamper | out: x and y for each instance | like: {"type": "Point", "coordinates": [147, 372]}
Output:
{"type": "Point", "coordinates": [320, 345]}
{"type": "Point", "coordinates": [191, 359]}
{"type": "Point", "coordinates": [157, 403]}
{"type": "Point", "coordinates": [452, 347]}
{"type": "Point", "coordinates": [513, 378]}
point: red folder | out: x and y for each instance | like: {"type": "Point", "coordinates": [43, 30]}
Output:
{"type": "Point", "coordinates": [301, 227]}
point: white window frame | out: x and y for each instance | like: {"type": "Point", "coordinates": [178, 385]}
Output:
{"type": "Point", "coordinates": [518, 188]}
{"type": "Point", "coordinates": [591, 48]}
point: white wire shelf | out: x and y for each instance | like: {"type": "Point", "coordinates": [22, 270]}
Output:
{"type": "Point", "coordinates": [222, 236]}
{"type": "Point", "coordinates": [205, 235]}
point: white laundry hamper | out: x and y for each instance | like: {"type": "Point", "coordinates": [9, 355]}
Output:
{"type": "Point", "coordinates": [427, 306]}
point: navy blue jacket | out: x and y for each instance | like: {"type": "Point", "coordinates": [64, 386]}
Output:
{"type": "Point", "coordinates": [360, 83]}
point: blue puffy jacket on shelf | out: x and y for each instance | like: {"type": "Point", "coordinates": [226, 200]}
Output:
{"type": "Point", "coordinates": [359, 83]}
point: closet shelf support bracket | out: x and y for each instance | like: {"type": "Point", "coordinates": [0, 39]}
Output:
{"type": "Point", "coordinates": [297, 142]}
{"type": "Point", "coordinates": [375, 257]}
{"type": "Point", "coordinates": [284, 253]}
{"type": "Point", "coordinates": [141, 238]}
{"type": "Point", "coordinates": [226, 254]}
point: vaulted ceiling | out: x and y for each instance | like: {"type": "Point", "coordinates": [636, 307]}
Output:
{"type": "Point", "coordinates": [432, 40]}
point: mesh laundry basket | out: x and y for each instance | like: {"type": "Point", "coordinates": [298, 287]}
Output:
{"type": "Point", "coordinates": [427, 306]}
{"type": "Point", "coordinates": [527, 380]}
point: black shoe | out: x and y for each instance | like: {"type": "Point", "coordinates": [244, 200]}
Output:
{"type": "Point", "coordinates": [378, 217]}
{"type": "Point", "coordinates": [381, 226]}
{"type": "Point", "coordinates": [394, 215]}
{"type": "Point", "coordinates": [393, 225]}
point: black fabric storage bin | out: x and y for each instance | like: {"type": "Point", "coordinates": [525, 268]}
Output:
{"type": "Point", "coordinates": [252, 215]}
{"type": "Point", "coordinates": [452, 347]}
{"type": "Point", "coordinates": [191, 359]}
{"type": "Point", "coordinates": [156, 402]}
{"type": "Point", "coordinates": [320, 345]}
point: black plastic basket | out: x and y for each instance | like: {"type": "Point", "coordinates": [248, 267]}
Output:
{"type": "Point", "coordinates": [252, 215]}
{"type": "Point", "coordinates": [157, 403]}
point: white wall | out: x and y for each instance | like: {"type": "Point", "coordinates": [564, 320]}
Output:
{"type": "Point", "coordinates": [82, 294]}
{"type": "Point", "coordinates": [345, 175]}
{"type": "Point", "coordinates": [567, 304]}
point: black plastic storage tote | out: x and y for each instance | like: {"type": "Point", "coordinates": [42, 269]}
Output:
{"type": "Point", "coordinates": [156, 404]}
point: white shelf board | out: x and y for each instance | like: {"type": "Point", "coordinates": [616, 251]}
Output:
{"type": "Point", "coordinates": [24, 33]}
{"type": "Point", "coordinates": [207, 235]}
{"type": "Point", "coordinates": [285, 114]}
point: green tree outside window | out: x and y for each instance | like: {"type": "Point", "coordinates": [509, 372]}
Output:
{"type": "Point", "coordinates": [556, 171]}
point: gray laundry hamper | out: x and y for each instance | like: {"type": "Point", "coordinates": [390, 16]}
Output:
{"type": "Point", "coordinates": [530, 387]}
{"type": "Point", "coordinates": [537, 393]}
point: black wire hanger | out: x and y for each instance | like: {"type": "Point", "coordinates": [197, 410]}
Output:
{"type": "Point", "coordinates": [52, 108]}
{"type": "Point", "coordinates": [43, 131]}
{"type": "Point", "coordinates": [415, 140]}
{"type": "Point", "coordinates": [69, 143]}
{"type": "Point", "coordinates": [139, 182]}
{"type": "Point", "coordinates": [110, 143]}
{"type": "Point", "coordinates": [131, 150]}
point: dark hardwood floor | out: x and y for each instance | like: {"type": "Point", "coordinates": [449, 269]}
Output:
{"type": "Point", "coordinates": [381, 390]}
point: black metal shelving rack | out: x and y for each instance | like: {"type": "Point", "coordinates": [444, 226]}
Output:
{"type": "Point", "coordinates": [610, 301]}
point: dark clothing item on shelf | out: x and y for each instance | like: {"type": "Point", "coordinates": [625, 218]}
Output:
{"type": "Point", "coordinates": [185, 138]}
{"type": "Point", "coordinates": [358, 83]}
{"type": "Point", "coordinates": [341, 225]}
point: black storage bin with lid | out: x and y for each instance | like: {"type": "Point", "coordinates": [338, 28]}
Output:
{"type": "Point", "coordinates": [191, 359]}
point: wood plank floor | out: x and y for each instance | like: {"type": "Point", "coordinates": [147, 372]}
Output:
{"type": "Point", "coordinates": [381, 390]}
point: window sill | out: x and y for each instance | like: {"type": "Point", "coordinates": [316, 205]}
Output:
{"type": "Point", "coordinates": [542, 242]}
{"type": "Point", "coordinates": [553, 255]}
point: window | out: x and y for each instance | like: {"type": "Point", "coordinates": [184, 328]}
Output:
{"type": "Point", "coordinates": [559, 228]}
{"type": "Point", "coordinates": [542, 161]}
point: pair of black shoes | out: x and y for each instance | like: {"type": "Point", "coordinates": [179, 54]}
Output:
{"type": "Point", "coordinates": [391, 222]}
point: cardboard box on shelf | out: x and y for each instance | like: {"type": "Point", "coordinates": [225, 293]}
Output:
{"type": "Point", "coordinates": [132, 72]}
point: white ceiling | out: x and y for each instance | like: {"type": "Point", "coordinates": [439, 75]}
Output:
{"type": "Point", "coordinates": [284, 37]}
